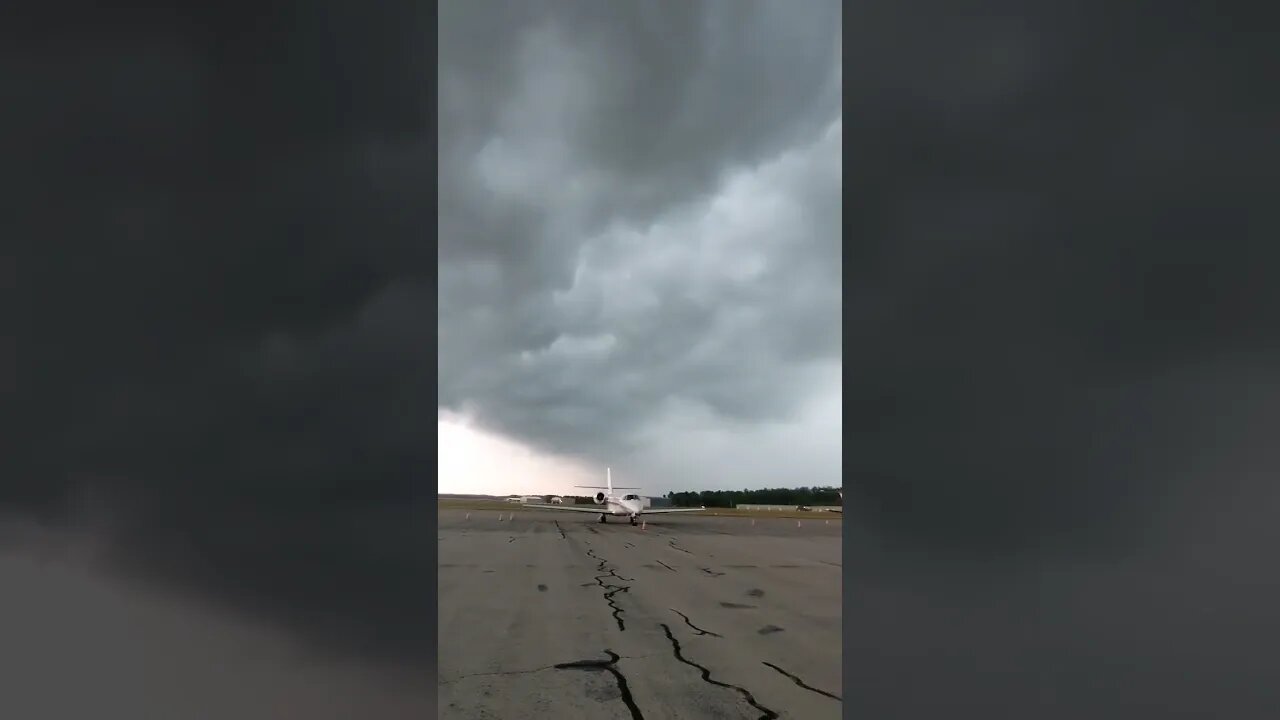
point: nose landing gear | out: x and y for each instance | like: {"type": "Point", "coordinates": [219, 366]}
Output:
{"type": "Point", "coordinates": [601, 517]}
{"type": "Point", "coordinates": [633, 519]}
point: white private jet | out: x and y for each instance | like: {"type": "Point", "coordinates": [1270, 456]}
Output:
{"type": "Point", "coordinates": [631, 506]}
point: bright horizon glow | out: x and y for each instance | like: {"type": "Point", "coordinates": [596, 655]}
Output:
{"type": "Point", "coordinates": [476, 462]}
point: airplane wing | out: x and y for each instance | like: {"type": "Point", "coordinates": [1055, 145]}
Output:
{"type": "Point", "coordinates": [597, 509]}
{"type": "Point", "coordinates": [655, 511]}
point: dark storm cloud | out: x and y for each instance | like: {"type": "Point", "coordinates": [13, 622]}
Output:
{"type": "Point", "coordinates": [636, 206]}
{"type": "Point", "coordinates": [79, 642]}
{"type": "Point", "coordinates": [1059, 285]}
{"type": "Point", "coordinates": [1048, 251]}
{"type": "Point", "coordinates": [225, 297]}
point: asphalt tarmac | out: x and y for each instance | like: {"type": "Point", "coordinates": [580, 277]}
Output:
{"type": "Point", "coordinates": [554, 615]}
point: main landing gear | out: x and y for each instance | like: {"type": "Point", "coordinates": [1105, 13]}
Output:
{"type": "Point", "coordinates": [601, 517]}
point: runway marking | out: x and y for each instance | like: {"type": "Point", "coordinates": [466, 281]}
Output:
{"type": "Point", "coordinates": [706, 676]}
{"type": "Point", "coordinates": [801, 683]}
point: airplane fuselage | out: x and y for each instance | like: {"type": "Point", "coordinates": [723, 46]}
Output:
{"type": "Point", "coordinates": [620, 506]}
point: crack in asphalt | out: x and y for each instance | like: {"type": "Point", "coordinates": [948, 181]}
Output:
{"type": "Point", "coordinates": [711, 572]}
{"type": "Point", "coordinates": [673, 544]}
{"type": "Point", "coordinates": [801, 683]}
{"type": "Point", "coordinates": [699, 630]}
{"type": "Point", "coordinates": [610, 665]}
{"type": "Point", "coordinates": [615, 574]}
{"type": "Point", "coordinates": [561, 531]}
{"type": "Point", "coordinates": [603, 569]}
{"type": "Point", "coordinates": [610, 589]}
{"type": "Point", "coordinates": [667, 566]}
{"type": "Point", "coordinates": [558, 666]}
{"type": "Point", "coordinates": [706, 676]}
{"type": "Point", "coordinates": [617, 611]}
{"type": "Point", "coordinates": [495, 673]}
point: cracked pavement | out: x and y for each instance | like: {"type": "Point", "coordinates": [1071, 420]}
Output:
{"type": "Point", "coordinates": [691, 617]}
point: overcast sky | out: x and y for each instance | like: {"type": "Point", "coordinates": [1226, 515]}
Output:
{"type": "Point", "coordinates": [1058, 292]}
{"type": "Point", "coordinates": [639, 245]}
{"type": "Point", "coordinates": [1063, 386]}
{"type": "Point", "coordinates": [224, 364]}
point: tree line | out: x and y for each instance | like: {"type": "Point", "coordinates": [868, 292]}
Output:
{"type": "Point", "coordinates": [766, 496]}
{"type": "Point", "coordinates": [730, 498]}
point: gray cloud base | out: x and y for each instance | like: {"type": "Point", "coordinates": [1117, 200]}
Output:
{"type": "Point", "coordinates": [636, 210]}
{"type": "Point", "coordinates": [1062, 370]}
{"type": "Point", "coordinates": [222, 280]}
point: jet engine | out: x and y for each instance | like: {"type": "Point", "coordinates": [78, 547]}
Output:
{"type": "Point", "coordinates": [599, 498]}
